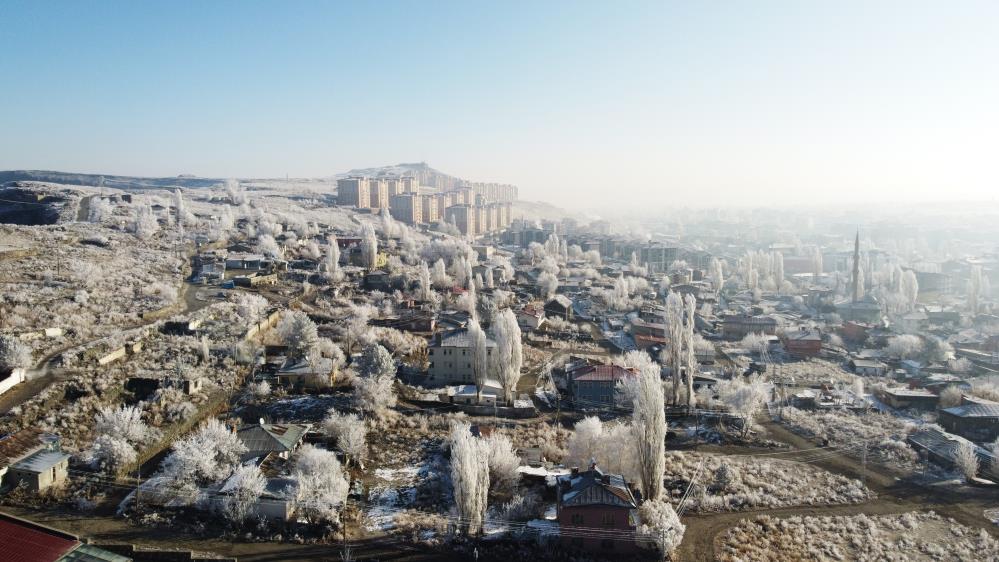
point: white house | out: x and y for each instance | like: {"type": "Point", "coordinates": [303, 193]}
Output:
{"type": "Point", "coordinates": [451, 357]}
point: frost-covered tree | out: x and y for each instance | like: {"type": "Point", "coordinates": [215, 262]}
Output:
{"type": "Point", "coordinates": [250, 307]}
{"type": "Point", "coordinates": [480, 355]}
{"type": "Point", "coordinates": [469, 476]}
{"type": "Point", "coordinates": [690, 353]}
{"type": "Point", "coordinates": [100, 209]}
{"type": "Point", "coordinates": [717, 273]}
{"type": "Point", "coordinates": [547, 284]}
{"type": "Point", "coordinates": [234, 190]}
{"type": "Point", "coordinates": [649, 424]}
{"type": "Point", "coordinates": [205, 456]}
{"type": "Point", "coordinates": [909, 287]}
{"type": "Point", "coordinates": [426, 290]}
{"type": "Point", "coordinates": [333, 272]}
{"type": "Point", "coordinates": [369, 246]}
{"type": "Point", "coordinates": [300, 334]}
{"type": "Point", "coordinates": [966, 460]}
{"type": "Point", "coordinates": [673, 351]}
{"type": "Point", "coordinates": [269, 247]}
{"type": "Point", "coordinates": [145, 224]}
{"type": "Point", "coordinates": [320, 485]}
{"type": "Point", "coordinates": [13, 353]}
{"type": "Point", "coordinates": [439, 275]}
{"type": "Point", "coordinates": [242, 491]}
{"type": "Point", "coordinates": [974, 289]}
{"type": "Point", "coordinates": [950, 396]}
{"type": "Point", "coordinates": [660, 521]}
{"type": "Point", "coordinates": [905, 346]}
{"type": "Point", "coordinates": [744, 398]}
{"type": "Point", "coordinates": [778, 261]}
{"type": "Point", "coordinates": [503, 464]}
{"type": "Point", "coordinates": [586, 441]}
{"type": "Point", "coordinates": [373, 388]}
{"type": "Point", "coordinates": [509, 352]}
{"type": "Point", "coordinates": [349, 433]}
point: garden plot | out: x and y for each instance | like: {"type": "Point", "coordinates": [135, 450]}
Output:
{"type": "Point", "coordinates": [399, 494]}
{"type": "Point", "coordinates": [908, 537]}
{"type": "Point", "coordinates": [736, 482]}
{"type": "Point", "coordinates": [885, 434]}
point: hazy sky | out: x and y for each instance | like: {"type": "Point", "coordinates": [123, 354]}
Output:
{"type": "Point", "coordinates": [582, 104]}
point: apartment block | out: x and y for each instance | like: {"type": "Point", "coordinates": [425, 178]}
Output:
{"type": "Point", "coordinates": [379, 194]}
{"type": "Point", "coordinates": [354, 191]}
{"type": "Point", "coordinates": [428, 205]}
{"type": "Point", "coordinates": [463, 216]}
{"type": "Point", "coordinates": [407, 208]}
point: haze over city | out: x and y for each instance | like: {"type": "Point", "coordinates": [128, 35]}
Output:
{"type": "Point", "coordinates": [578, 103]}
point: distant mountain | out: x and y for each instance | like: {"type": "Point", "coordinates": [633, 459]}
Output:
{"type": "Point", "coordinates": [122, 182]}
{"type": "Point", "coordinates": [428, 176]}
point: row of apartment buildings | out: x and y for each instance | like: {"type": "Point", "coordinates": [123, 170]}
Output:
{"type": "Point", "coordinates": [473, 213]}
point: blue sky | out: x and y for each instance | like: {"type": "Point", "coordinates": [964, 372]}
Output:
{"type": "Point", "coordinates": [583, 103]}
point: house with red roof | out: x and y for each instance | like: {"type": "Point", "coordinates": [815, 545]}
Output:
{"type": "Point", "coordinates": [593, 386]}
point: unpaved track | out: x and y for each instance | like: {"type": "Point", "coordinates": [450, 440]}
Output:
{"type": "Point", "coordinates": [964, 504]}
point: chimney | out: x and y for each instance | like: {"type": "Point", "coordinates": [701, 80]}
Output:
{"type": "Point", "coordinates": [575, 471]}
{"type": "Point", "coordinates": [605, 478]}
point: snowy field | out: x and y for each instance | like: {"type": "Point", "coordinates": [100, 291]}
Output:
{"type": "Point", "coordinates": [906, 537]}
{"type": "Point", "coordinates": [753, 482]}
{"type": "Point", "coordinates": [885, 434]}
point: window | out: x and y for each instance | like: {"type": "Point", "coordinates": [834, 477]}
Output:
{"type": "Point", "coordinates": [607, 520]}
{"type": "Point", "coordinates": [577, 519]}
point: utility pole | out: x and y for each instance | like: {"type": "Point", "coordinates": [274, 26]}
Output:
{"type": "Point", "coordinates": [138, 486]}
{"type": "Point", "coordinates": [863, 462]}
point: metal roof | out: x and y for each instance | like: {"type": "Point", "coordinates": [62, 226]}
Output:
{"type": "Point", "coordinates": [974, 411]}
{"type": "Point", "coordinates": [272, 436]}
{"type": "Point", "coordinates": [41, 461]}
{"type": "Point", "coordinates": [24, 541]}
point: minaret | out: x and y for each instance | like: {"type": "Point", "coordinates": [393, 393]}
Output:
{"type": "Point", "coordinates": [856, 266]}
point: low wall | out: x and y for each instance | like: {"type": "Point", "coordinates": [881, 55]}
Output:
{"type": "Point", "coordinates": [498, 411]}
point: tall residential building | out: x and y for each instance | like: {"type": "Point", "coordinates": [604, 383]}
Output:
{"type": "Point", "coordinates": [462, 216]}
{"type": "Point", "coordinates": [354, 191]}
{"type": "Point", "coordinates": [407, 207]}
{"type": "Point", "coordinates": [378, 189]}
{"type": "Point", "coordinates": [481, 220]}
{"type": "Point", "coordinates": [410, 184]}
{"type": "Point", "coordinates": [428, 205]}
{"type": "Point", "coordinates": [394, 186]}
